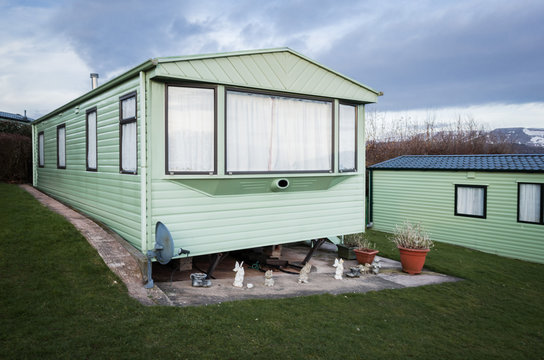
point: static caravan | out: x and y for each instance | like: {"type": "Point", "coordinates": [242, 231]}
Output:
{"type": "Point", "coordinates": [491, 203]}
{"type": "Point", "coordinates": [228, 151]}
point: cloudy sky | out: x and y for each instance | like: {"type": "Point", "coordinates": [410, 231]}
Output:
{"type": "Point", "coordinates": [444, 59]}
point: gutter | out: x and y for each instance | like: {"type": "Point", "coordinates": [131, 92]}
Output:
{"type": "Point", "coordinates": [149, 64]}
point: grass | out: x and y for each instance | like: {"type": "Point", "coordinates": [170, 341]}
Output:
{"type": "Point", "coordinates": [58, 300]}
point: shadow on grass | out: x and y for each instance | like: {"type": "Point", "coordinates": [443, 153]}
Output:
{"type": "Point", "coordinates": [59, 300]}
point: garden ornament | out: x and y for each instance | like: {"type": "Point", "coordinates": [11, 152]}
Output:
{"type": "Point", "coordinates": [268, 280]}
{"type": "Point", "coordinates": [199, 280]}
{"type": "Point", "coordinates": [376, 266]}
{"type": "Point", "coordinates": [339, 265]}
{"type": "Point", "coordinates": [303, 276]}
{"type": "Point", "coordinates": [239, 277]}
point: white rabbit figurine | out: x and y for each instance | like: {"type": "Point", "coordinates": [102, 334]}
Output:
{"type": "Point", "coordinates": [239, 277]}
{"type": "Point", "coordinates": [339, 265]}
{"type": "Point", "coordinates": [268, 280]}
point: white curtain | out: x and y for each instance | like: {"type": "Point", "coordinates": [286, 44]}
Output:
{"type": "Point", "coordinates": [271, 133]}
{"type": "Point", "coordinates": [61, 134]}
{"type": "Point", "coordinates": [347, 137]}
{"type": "Point", "coordinates": [91, 140]}
{"type": "Point", "coordinates": [470, 200]}
{"type": "Point", "coordinates": [129, 108]}
{"type": "Point", "coordinates": [40, 150]}
{"type": "Point", "coordinates": [129, 147]}
{"type": "Point", "coordinates": [191, 128]}
{"type": "Point", "coordinates": [529, 202]}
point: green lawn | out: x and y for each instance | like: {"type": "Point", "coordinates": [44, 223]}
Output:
{"type": "Point", "coordinates": [59, 300]}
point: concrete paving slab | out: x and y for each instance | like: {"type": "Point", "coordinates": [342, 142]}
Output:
{"type": "Point", "coordinates": [127, 263]}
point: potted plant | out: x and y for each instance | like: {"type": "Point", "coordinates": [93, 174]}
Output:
{"type": "Point", "coordinates": [349, 243]}
{"type": "Point", "coordinates": [413, 243]}
{"type": "Point", "coordinates": [356, 246]}
{"type": "Point", "coordinates": [365, 251]}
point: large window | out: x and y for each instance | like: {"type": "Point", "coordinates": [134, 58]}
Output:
{"type": "Point", "coordinates": [267, 133]}
{"type": "Point", "coordinates": [91, 140]}
{"type": "Point", "coordinates": [41, 160]}
{"type": "Point", "coordinates": [61, 146]}
{"type": "Point", "coordinates": [530, 203]}
{"type": "Point", "coordinates": [190, 130]}
{"type": "Point", "coordinates": [470, 200]}
{"type": "Point", "coordinates": [128, 146]}
{"type": "Point", "coordinates": [347, 141]}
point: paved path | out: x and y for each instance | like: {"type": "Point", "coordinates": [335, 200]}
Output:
{"type": "Point", "coordinates": [110, 247]}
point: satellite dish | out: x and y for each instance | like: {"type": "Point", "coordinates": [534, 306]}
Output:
{"type": "Point", "coordinates": [163, 251]}
{"type": "Point", "coordinates": [164, 244]}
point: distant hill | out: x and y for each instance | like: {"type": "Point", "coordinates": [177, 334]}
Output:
{"type": "Point", "coordinates": [524, 138]}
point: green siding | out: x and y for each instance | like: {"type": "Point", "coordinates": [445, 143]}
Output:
{"type": "Point", "coordinates": [428, 196]}
{"type": "Point", "coordinates": [105, 195]}
{"type": "Point", "coordinates": [213, 218]}
{"type": "Point", "coordinates": [278, 71]}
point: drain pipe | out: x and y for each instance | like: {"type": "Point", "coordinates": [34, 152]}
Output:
{"type": "Point", "coordinates": [370, 205]}
{"type": "Point", "coordinates": [143, 165]}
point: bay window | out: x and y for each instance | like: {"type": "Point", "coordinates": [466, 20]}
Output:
{"type": "Point", "coordinates": [190, 130]}
{"type": "Point", "coordinates": [470, 200]}
{"type": "Point", "coordinates": [347, 138]}
{"type": "Point", "coordinates": [530, 203]}
{"type": "Point", "coordinates": [269, 133]}
{"type": "Point", "coordinates": [128, 144]}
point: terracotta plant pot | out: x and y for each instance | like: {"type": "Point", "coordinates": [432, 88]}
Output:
{"type": "Point", "coordinates": [365, 256]}
{"type": "Point", "coordinates": [412, 260]}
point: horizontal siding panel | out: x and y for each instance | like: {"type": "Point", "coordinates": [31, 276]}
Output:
{"type": "Point", "coordinates": [208, 224]}
{"type": "Point", "coordinates": [428, 197]}
{"type": "Point", "coordinates": [105, 195]}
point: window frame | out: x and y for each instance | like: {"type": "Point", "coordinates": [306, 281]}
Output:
{"type": "Point", "coordinates": [484, 187]}
{"type": "Point", "coordinates": [89, 111]}
{"type": "Point", "coordinates": [61, 126]}
{"type": "Point", "coordinates": [541, 222]}
{"type": "Point", "coordinates": [122, 122]}
{"type": "Point", "coordinates": [215, 128]}
{"type": "Point", "coordinates": [356, 161]}
{"type": "Point", "coordinates": [41, 154]}
{"type": "Point", "coordinates": [285, 95]}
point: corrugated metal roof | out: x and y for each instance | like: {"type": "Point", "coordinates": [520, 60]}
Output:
{"type": "Point", "coordinates": [16, 117]}
{"type": "Point", "coordinates": [499, 162]}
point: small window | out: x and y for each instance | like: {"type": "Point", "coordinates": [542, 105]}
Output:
{"type": "Point", "coordinates": [61, 146]}
{"type": "Point", "coordinates": [41, 161]}
{"type": "Point", "coordinates": [347, 141]}
{"type": "Point", "coordinates": [128, 144]}
{"type": "Point", "coordinates": [269, 133]}
{"type": "Point", "coordinates": [530, 203]}
{"type": "Point", "coordinates": [91, 140]}
{"type": "Point", "coordinates": [470, 200]}
{"type": "Point", "coordinates": [190, 129]}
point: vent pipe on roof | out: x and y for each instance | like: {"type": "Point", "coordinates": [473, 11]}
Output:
{"type": "Point", "coordinates": [94, 80]}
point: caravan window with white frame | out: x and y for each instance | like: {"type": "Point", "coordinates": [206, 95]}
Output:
{"type": "Point", "coordinates": [471, 200]}
{"type": "Point", "coordinates": [91, 139]}
{"type": "Point", "coordinates": [530, 203]}
{"type": "Point", "coordinates": [128, 143]}
{"type": "Point", "coordinates": [272, 134]}
{"type": "Point", "coordinates": [347, 138]}
{"type": "Point", "coordinates": [61, 146]}
{"type": "Point", "coordinates": [190, 130]}
{"type": "Point", "coordinates": [41, 160]}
